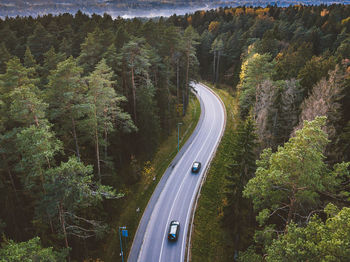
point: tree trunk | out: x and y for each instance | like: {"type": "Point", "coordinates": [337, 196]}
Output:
{"type": "Point", "coordinates": [106, 140]}
{"type": "Point", "coordinates": [97, 145]}
{"type": "Point", "coordinates": [187, 76]}
{"type": "Point", "coordinates": [217, 69]}
{"type": "Point", "coordinates": [177, 79]}
{"type": "Point", "coordinates": [60, 209]}
{"type": "Point", "coordinates": [133, 92]}
{"type": "Point", "coordinates": [11, 177]}
{"type": "Point", "coordinates": [36, 120]}
{"type": "Point", "coordinates": [214, 69]}
{"type": "Point", "coordinates": [169, 100]}
{"type": "Point", "coordinates": [183, 101]}
{"type": "Point", "coordinates": [75, 139]}
{"type": "Point", "coordinates": [291, 208]}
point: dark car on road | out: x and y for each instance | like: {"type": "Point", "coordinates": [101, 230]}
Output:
{"type": "Point", "coordinates": [174, 230]}
{"type": "Point", "coordinates": [196, 166]}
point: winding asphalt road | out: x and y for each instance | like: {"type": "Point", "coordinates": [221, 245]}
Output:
{"type": "Point", "coordinates": [176, 192]}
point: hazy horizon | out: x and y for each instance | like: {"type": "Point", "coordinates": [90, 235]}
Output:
{"type": "Point", "coordinates": [135, 8]}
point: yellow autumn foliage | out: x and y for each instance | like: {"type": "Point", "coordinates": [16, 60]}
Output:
{"type": "Point", "coordinates": [213, 26]}
{"type": "Point", "coordinates": [324, 12]}
{"type": "Point", "coordinates": [346, 20]}
{"type": "Point", "coordinates": [189, 20]}
{"type": "Point", "coordinates": [239, 11]}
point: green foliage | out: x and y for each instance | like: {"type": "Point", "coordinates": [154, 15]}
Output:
{"type": "Point", "coordinates": [72, 185]}
{"type": "Point", "coordinates": [249, 256]}
{"type": "Point", "coordinates": [91, 50]}
{"type": "Point", "coordinates": [240, 163]}
{"type": "Point", "coordinates": [292, 61]}
{"type": "Point", "coordinates": [39, 42]}
{"type": "Point", "coordinates": [302, 42]}
{"type": "Point", "coordinates": [26, 106]}
{"type": "Point", "coordinates": [37, 147]}
{"type": "Point", "coordinates": [255, 69]}
{"type": "Point", "coordinates": [190, 41]}
{"type": "Point", "coordinates": [78, 79]}
{"type": "Point", "coordinates": [15, 76]}
{"type": "Point", "coordinates": [313, 71]}
{"type": "Point", "coordinates": [241, 159]}
{"type": "Point", "coordinates": [4, 57]}
{"type": "Point", "coordinates": [104, 109]}
{"type": "Point", "coordinates": [51, 60]}
{"type": "Point", "coordinates": [29, 60]}
{"type": "Point", "coordinates": [69, 188]}
{"type": "Point", "coordinates": [317, 241]}
{"type": "Point", "coordinates": [65, 96]}
{"type": "Point", "coordinates": [29, 251]}
{"type": "Point", "coordinates": [294, 175]}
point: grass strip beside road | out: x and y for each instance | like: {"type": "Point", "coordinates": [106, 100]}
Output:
{"type": "Point", "coordinates": [138, 196]}
{"type": "Point", "coordinates": [210, 241]}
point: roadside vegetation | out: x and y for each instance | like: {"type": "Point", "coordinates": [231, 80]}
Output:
{"type": "Point", "coordinates": [89, 107]}
{"type": "Point", "coordinates": [209, 239]}
{"type": "Point", "coordinates": [281, 173]}
{"type": "Point", "coordinates": [85, 104]}
{"type": "Point", "coordinates": [136, 200]}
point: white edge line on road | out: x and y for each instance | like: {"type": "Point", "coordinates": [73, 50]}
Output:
{"type": "Point", "coordinates": [182, 183]}
{"type": "Point", "coordinates": [176, 165]}
{"type": "Point", "coordinates": [188, 251]}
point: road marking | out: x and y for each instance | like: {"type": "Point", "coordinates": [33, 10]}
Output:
{"type": "Point", "coordinates": [147, 232]}
{"type": "Point", "coordinates": [182, 183]}
{"type": "Point", "coordinates": [193, 196]}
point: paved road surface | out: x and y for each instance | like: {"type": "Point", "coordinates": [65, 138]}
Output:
{"type": "Point", "coordinates": [175, 194]}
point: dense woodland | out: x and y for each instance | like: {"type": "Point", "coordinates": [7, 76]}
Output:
{"type": "Point", "coordinates": [85, 100]}
{"type": "Point", "coordinates": [287, 176]}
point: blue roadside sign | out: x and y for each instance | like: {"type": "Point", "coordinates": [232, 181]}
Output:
{"type": "Point", "coordinates": [124, 233]}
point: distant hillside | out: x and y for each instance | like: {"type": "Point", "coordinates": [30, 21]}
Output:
{"type": "Point", "coordinates": [132, 8]}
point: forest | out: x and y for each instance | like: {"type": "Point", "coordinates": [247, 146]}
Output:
{"type": "Point", "coordinates": [123, 84]}
{"type": "Point", "coordinates": [286, 191]}
{"type": "Point", "coordinates": [85, 101]}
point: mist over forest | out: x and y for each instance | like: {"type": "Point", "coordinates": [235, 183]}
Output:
{"type": "Point", "coordinates": [136, 8]}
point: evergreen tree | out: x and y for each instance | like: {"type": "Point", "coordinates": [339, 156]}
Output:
{"type": "Point", "coordinates": [29, 60]}
{"type": "Point", "coordinates": [316, 241]}
{"type": "Point", "coordinates": [30, 250]}
{"type": "Point", "coordinates": [242, 158]}
{"type": "Point", "coordinates": [39, 42]}
{"type": "Point", "coordinates": [136, 57]}
{"type": "Point", "coordinates": [69, 188]}
{"type": "Point", "coordinates": [65, 95]}
{"type": "Point", "coordinates": [190, 38]}
{"type": "Point", "coordinates": [255, 69]}
{"type": "Point", "coordinates": [217, 48]}
{"type": "Point", "coordinates": [4, 57]}
{"type": "Point", "coordinates": [37, 147]}
{"type": "Point", "coordinates": [289, 181]}
{"type": "Point", "coordinates": [104, 109]}
{"type": "Point", "coordinates": [26, 107]}
{"type": "Point", "coordinates": [91, 51]}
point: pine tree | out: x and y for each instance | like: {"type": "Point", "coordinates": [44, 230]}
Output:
{"type": "Point", "coordinates": [4, 57]}
{"type": "Point", "coordinates": [190, 38]}
{"type": "Point", "coordinates": [104, 109]}
{"type": "Point", "coordinates": [29, 60]}
{"type": "Point", "coordinates": [91, 51]}
{"type": "Point", "coordinates": [69, 188]}
{"type": "Point", "coordinates": [65, 96]}
{"type": "Point", "coordinates": [136, 57]}
{"type": "Point", "coordinates": [242, 156]}
{"type": "Point", "coordinates": [37, 147]}
{"type": "Point", "coordinates": [288, 182]}
{"type": "Point", "coordinates": [39, 42]}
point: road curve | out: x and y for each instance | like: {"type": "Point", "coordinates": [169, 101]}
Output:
{"type": "Point", "coordinates": [176, 192]}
